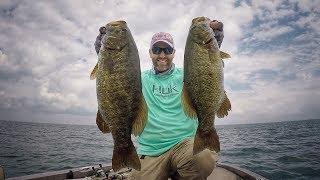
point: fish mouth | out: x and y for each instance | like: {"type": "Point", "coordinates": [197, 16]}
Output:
{"type": "Point", "coordinates": [117, 48]}
{"type": "Point", "coordinates": [114, 43]}
{"type": "Point", "coordinates": [208, 41]}
{"type": "Point", "coordinates": [112, 37]}
{"type": "Point", "coordinates": [204, 42]}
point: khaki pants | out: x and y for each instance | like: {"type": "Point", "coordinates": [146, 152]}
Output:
{"type": "Point", "coordinates": [179, 158]}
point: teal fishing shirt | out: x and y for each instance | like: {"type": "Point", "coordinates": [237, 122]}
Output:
{"type": "Point", "coordinates": [167, 123]}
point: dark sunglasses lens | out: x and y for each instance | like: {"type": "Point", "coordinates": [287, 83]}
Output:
{"type": "Point", "coordinates": [168, 50]}
{"type": "Point", "coordinates": [156, 50]}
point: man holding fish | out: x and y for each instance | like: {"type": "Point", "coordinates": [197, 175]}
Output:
{"type": "Point", "coordinates": [179, 134]}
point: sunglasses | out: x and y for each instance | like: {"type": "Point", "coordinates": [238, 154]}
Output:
{"type": "Point", "coordinates": [166, 50]}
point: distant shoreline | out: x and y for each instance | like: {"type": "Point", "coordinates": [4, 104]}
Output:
{"type": "Point", "coordinates": [234, 124]}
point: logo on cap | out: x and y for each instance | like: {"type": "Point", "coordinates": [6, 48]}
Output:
{"type": "Point", "coordinates": [163, 37]}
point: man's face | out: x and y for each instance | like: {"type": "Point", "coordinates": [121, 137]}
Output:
{"type": "Point", "coordinates": [162, 61]}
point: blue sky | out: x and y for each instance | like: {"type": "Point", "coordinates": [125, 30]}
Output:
{"type": "Point", "coordinates": [47, 53]}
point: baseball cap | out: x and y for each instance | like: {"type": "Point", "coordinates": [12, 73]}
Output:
{"type": "Point", "coordinates": [162, 37]}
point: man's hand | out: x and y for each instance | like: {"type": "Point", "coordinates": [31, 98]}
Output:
{"type": "Point", "coordinates": [102, 30]}
{"type": "Point", "coordinates": [216, 25]}
{"type": "Point", "coordinates": [97, 44]}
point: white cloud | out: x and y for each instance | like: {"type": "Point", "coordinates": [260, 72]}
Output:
{"type": "Point", "coordinates": [47, 53]}
{"type": "Point", "coordinates": [309, 21]}
{"type": "Point", "coordinates": [269, 34]}
{"type": "Point", "coordinates": [270, 5]}
{"type": "Point", "coordinates": [307, 5]}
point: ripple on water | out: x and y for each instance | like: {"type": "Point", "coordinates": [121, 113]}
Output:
{"type": "Point", "coordinates": [290, 159]}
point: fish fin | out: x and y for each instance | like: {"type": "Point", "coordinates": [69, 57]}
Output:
{"type": "Point", "coordinates": [224, 55]}
{"type": "Point", "coordinates": [102, 125]}
{"type": "Point", "coordinates": [93, 74]}
{"type": "Point", "coordinates": [187, 104]}
{"type": "Point", "coordinates": [203, 140]}
{"type": "Point", "coordinates": [224, 107]}
{"type": "Point", "coordinates": [141, 118]}
{"type": "Point", "coordinates": [125, 157]}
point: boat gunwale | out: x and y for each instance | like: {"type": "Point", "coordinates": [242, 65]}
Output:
{"type": "Point", "coordinates": [87, 171]}
{"type": "Point", "coordinates": [243, 173]}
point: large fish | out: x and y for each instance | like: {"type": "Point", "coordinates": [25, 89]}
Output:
{"type": "Point", "coordinates": [122, 109]}
{"type": "Point", "coordinates": [203, 93]}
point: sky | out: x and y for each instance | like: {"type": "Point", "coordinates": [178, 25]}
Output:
{"type": "Point", "coordinates": [47, 53]}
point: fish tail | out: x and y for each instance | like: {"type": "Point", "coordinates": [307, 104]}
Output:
{"type": "Point", "coordinates": [125, 157]}
{"type": "Point", "coordinates": [206, 139]}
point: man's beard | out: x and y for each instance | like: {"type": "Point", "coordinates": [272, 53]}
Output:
{"type": "Point", "coordinates": [161, 65]}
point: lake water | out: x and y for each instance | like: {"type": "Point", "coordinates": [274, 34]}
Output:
{"type": "Point", "coordinates": [282, 150]}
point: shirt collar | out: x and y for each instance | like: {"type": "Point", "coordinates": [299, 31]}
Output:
{"type": "Point", "coordinates": [169, 71]}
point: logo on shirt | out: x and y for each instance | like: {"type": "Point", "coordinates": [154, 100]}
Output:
{"type": "Point", "coordinates": [164, 91]}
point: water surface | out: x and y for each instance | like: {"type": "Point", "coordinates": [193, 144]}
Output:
{"type": "Point", "coordinates": [283, 150]}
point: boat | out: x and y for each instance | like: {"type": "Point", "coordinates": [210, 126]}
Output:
{"type": "Point", "coordinates": [221, 172]}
